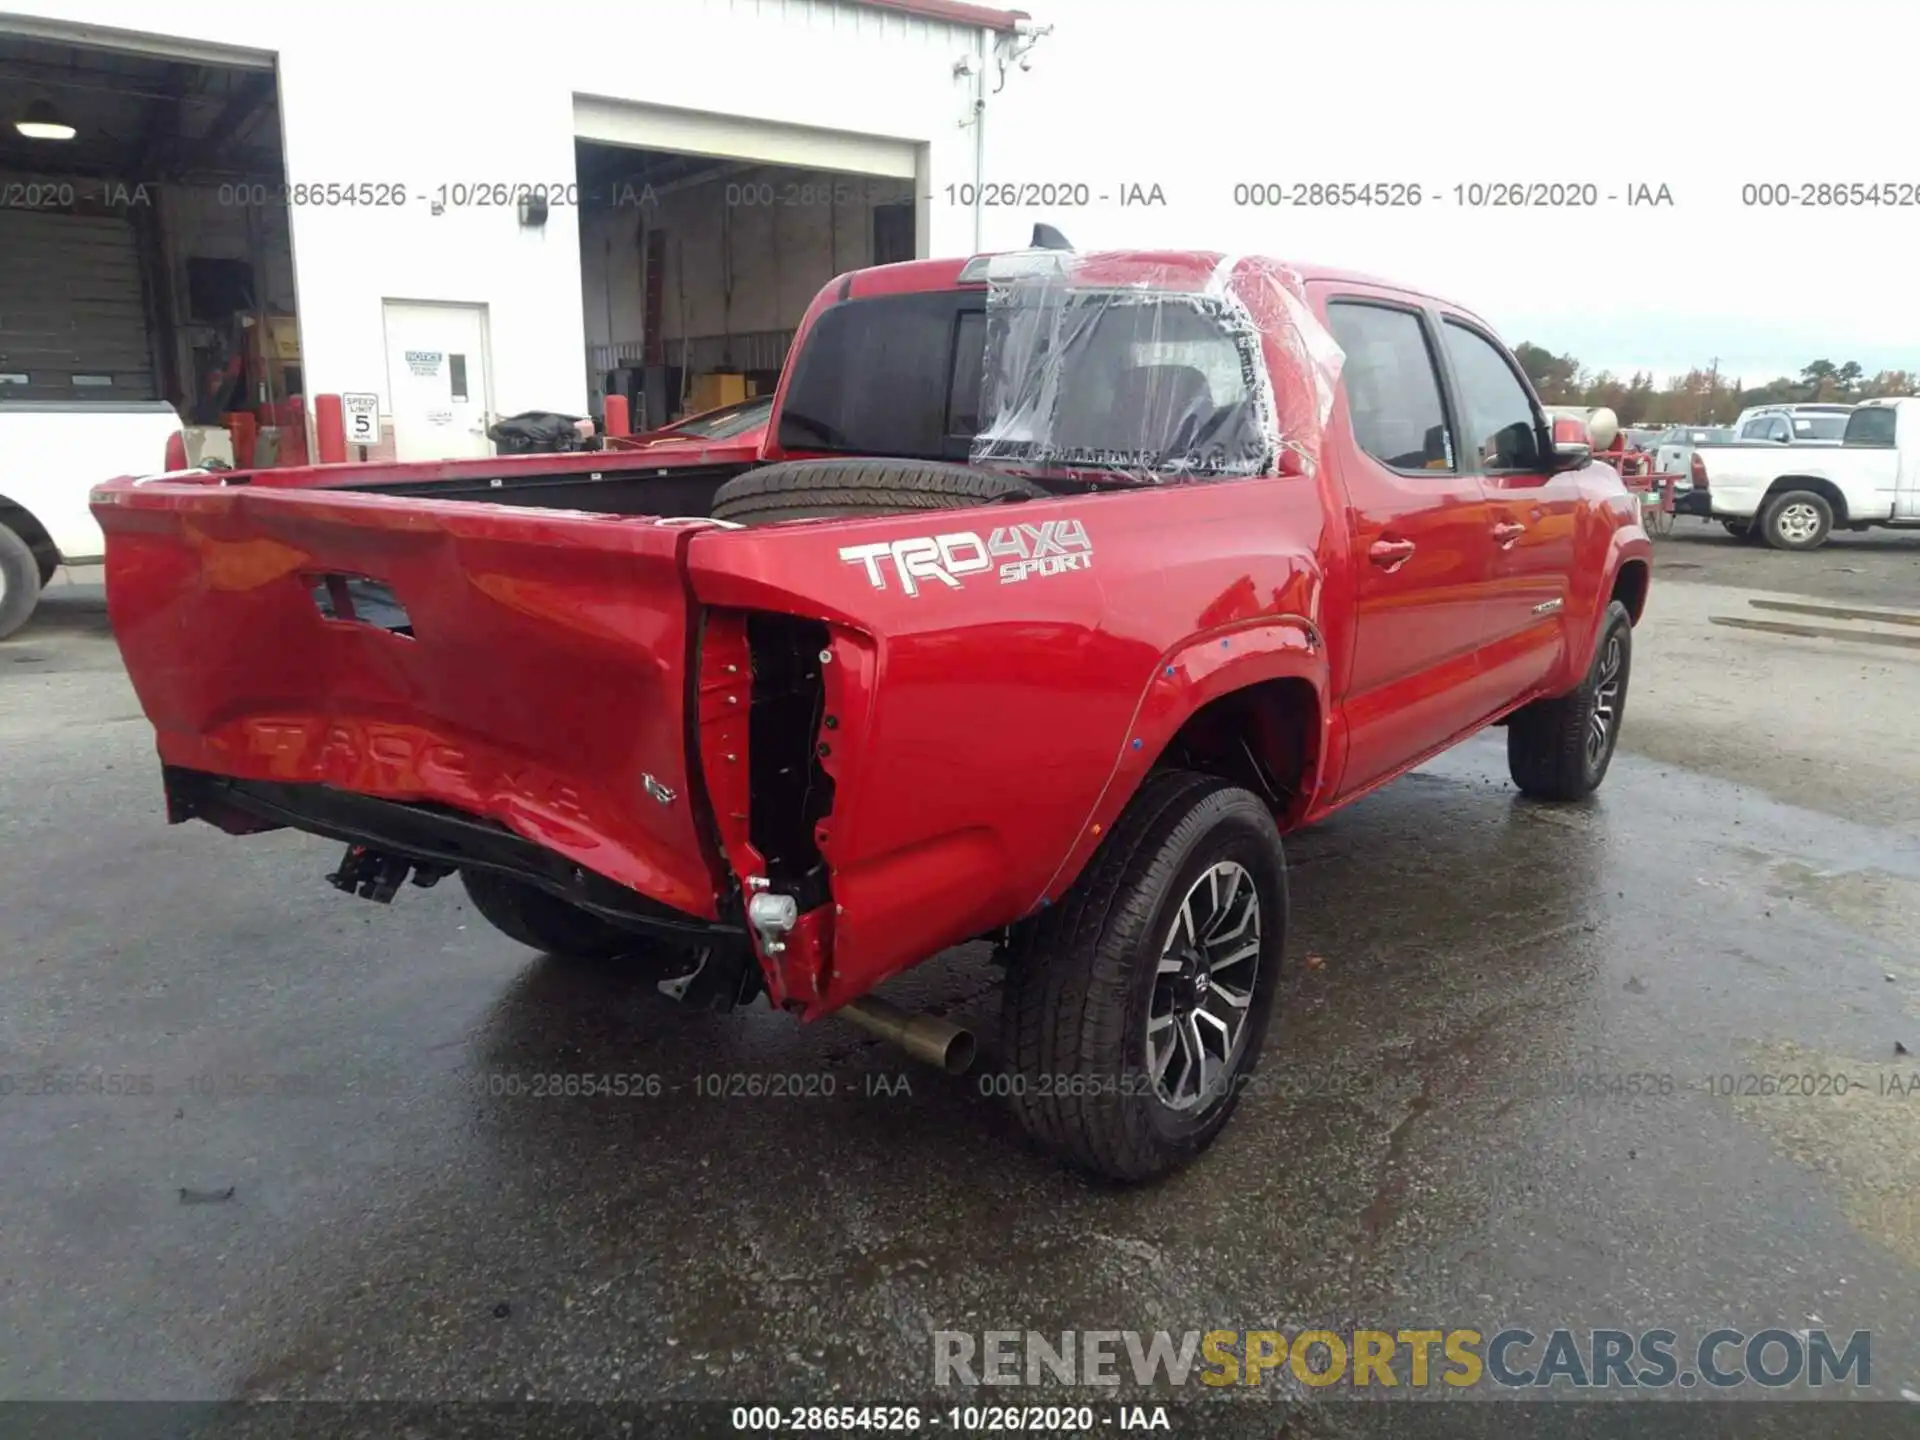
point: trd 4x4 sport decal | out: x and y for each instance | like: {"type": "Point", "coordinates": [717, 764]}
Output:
{"type": "Point", "coordinates": [1019, 551]}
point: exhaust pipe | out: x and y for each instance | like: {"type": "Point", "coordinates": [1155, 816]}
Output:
{"type": "Point", "coordinates": [925, 1037]}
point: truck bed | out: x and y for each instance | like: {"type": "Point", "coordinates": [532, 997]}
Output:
{"type": "Point", "coordinates": [597, 482]}
{"type": "Point", "coordinates": [687, 490]}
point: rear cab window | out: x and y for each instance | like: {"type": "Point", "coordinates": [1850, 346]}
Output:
{"type": "Point", "coordinates": [1147, 382]}
{"type": "Point", "coordinates": [1872, 426]}
{"type": "Point", "coordinates": [1392, 385]}
{"type": "Point", "coordinates": [1159, 384]}
{"type": "Point", "coordinates": [890, 375]}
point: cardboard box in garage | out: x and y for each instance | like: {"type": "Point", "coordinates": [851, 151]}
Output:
{"type": "Point", "coordinates": [274, 338]}
{"type": "Point", "coordinates": [712, 391]}
{"type": "Point", "coordinates": [283, 337]}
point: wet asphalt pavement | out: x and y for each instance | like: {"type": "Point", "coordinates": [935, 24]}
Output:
{"type": "Point", "coordinates": [331, 1182]}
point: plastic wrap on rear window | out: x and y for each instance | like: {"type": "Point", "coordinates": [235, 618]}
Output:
{"type": "Point", "coordinates": [1161, 369]}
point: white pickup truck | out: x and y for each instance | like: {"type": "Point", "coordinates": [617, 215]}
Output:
{"type": "Point", "coordinates": [52, 454]}
{"type": "Point", "coordinates": [1673, 451]}
{"type": "Point", "coordinates": [1794, 496]}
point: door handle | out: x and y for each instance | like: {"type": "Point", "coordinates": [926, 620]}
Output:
{"type": "Point", "coordinates": [1506, 532]}
{"type": "Point", "coordinates": [1390, 555]}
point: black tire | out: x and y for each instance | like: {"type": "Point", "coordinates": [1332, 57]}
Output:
{"type": "Point", "coordinates": [541, 921]}
{"type": "Point", "coordinates": [19, 582]}
{"type": "Point", "coordinates": [1739, 529]}
{"type": "Point", "coordinates": [1797, 520]}
{"type": "Point", "coordinates": [1084, 981]}
{"type": "Point", "coordinates": [807, 489]}
{"type": "Point", "coordinates": [1551, 749]}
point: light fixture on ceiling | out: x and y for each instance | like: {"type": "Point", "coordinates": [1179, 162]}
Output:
{"type": "Point", "coordinates": [43, 122]}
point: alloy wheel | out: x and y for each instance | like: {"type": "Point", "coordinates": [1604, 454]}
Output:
{"type": "Point", "coordinates": [1605, 715]}
{"type": "Point", "coordinates": [1203, 988]}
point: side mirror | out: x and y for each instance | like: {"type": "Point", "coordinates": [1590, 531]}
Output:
{"type": "Point", "coordinates": [1571, 455]}
{"type": "Point", "coordinates": [1568, 429]}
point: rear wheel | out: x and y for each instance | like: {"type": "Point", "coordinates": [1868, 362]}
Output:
{"type": "Point", "coordinates": [1137, 1007]}
{"type": "Point", "coordinates": [808, 489]}
{"type": "Point", "coordinates": [1797, 520]}
{"type": "Point", "coordinates": [541, 921]}
{"type": "Point", "coordinates": [19, 581]}
{"type": "Point", "coordinates": [1559, 749]}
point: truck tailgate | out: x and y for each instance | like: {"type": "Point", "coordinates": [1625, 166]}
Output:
{"type": "Point", "coordinates": [528, 666]}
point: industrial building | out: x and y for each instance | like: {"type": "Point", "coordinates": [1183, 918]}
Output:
{"type": "Point", "coordinates": [238, 209]}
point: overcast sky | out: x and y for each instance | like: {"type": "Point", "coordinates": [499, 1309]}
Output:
{"type": "Point", "coordinates": [1702, 96]}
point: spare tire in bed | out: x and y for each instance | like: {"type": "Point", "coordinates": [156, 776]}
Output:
{"type": "Point", "coordinates": [807, 489]}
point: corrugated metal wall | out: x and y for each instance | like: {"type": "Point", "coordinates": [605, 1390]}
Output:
{"type": "Point", "coordinates": [71, 313]}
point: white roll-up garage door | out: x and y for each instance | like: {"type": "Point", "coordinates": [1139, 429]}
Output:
{"type": "Point", "coordinates": [690, 132]}
{"type": "Point", "coordinates": [71, 318]}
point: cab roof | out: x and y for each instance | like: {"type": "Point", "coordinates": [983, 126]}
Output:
{"type": "Point", "coordinates": [1177, 269]}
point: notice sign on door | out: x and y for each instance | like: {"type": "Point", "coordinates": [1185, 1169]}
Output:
{"type": "Point", "coordinates": [363, 418]}
{"type": "Point", "coordinates": [425, 362]}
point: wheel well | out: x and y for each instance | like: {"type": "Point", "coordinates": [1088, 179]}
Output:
{"type": "Point", "coordinates": [1824, 488]}
{"type": "Point", "coordinates": [1265, 737]}
{"type": "Point", "coordinates": [1630, 587]}
{"type": "Point", "coordinates": [22, 523]}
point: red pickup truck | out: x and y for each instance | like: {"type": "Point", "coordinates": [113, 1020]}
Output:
{"type": "Point", "coordinates": [1061, 586]}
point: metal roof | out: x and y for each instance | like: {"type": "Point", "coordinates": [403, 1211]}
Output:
{"type": "Point", "coordinates": [956, 12]}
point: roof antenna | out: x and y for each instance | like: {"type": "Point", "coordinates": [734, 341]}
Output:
{"type": "Point", "coordinates": [1045, 237]}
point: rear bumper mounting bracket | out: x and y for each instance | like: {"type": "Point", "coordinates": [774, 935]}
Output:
{"type": "Point", "coordinates": [374, 875]}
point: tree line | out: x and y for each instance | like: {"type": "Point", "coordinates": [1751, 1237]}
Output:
{"type": "Point", "coordinates": [1700, 397]}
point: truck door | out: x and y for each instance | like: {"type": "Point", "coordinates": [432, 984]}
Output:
{"type": "Point", "coordinates": [1906, 497]}
{"type": "Point", "coordinates": [1422, 554]}
{"type": "Point", "coordinates": [1532, 510]}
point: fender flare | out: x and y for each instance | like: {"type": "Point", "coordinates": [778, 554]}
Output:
{"type": "Point", "coordinates": [1626, 549]}
{"type": "Point", "coordinates": [1198, 670]}
{"type": "Point", "coordinates": [1825, 486]}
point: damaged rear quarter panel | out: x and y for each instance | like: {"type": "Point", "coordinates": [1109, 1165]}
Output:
{"type": "Point", "coordinates": [983, 726]}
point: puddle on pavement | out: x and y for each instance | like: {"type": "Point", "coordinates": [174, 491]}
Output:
{"type": "Point", "coordinates": [1873, 902]}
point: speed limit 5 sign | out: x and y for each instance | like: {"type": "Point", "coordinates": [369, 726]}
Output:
{"type": "Point", "coordinates": [362, 415]}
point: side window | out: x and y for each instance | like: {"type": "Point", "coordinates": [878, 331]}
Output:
{"type": "Point", "coordinates": [1501, 430]}
{"type": "Point", "coordinates": [1777, 429]}
{"type": "Point", "coordinates": [1393, 388]}
{"type": "Point", "coordinates": [1754, 430]}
